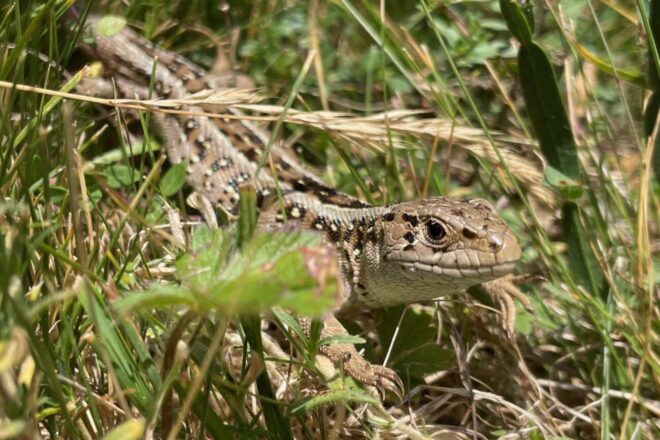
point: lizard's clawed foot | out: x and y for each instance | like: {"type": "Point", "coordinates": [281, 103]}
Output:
{"type": "Point", "coordinates": [345, 356]}
{"type": "Point", "coordinates": [504, 290]}
{"type": "Point", "coordinates": [382, 378]}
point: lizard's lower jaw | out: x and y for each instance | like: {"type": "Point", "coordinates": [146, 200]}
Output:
{"type": "Point", "coordinates": [462, 276]}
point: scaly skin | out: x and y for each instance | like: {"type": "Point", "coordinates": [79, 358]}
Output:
{"type": "Point", "coordinates": [402, 253]}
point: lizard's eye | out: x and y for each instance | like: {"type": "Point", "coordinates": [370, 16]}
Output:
{"type": "Point", "coordinates": [435, 231]}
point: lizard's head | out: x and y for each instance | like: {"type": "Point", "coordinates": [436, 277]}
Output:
{"type": "Point", "coordinates": [438, 245]}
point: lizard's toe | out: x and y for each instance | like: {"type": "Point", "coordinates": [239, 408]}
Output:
{"type": "Point", "coordinates": [388, 380]}
{"type": "Point", "coordinates": [378, 376]}
{"type": "Point", "coordinates": [504, 290]}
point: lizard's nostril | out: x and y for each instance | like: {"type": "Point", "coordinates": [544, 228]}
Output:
{"type": "Point", "coordinates": [495, 242]}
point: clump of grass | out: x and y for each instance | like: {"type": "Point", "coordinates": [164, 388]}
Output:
{"type": "Point", "coordinates": [122, 315]}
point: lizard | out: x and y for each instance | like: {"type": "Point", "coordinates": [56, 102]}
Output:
{"type": "Point", "coordinates": [388, 255]}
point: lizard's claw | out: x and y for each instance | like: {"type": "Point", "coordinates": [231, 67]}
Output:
{"type": "Point", "coordinates": [389, 380]}
{"type": "Point", "coordinates": [504, 290]}
{"type": "Point", "coordinates": [378, 376]}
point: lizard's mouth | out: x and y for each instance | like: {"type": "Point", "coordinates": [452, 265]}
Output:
{"type": "Point", "coordinates": [480, 273]}
{"type": "Point", "coordinates": [468, 263]}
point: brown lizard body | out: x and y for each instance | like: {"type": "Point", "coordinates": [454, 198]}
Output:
{"type": "Point", "coordinates": [401, 253]}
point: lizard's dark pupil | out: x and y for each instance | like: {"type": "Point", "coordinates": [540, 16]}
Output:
{"type": "Point", "coordinates": [435, 230]}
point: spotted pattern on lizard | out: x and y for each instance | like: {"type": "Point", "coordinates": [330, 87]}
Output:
{"type": "Point", "coordinates": [176, 77]}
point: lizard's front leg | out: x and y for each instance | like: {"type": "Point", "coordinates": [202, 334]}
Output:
{"type": "Point", "coordinates": [341, 239]}
{"type": "Point", "coordinates": [347, 357]}
{"type": "Point", "coordinates": [505, 291]}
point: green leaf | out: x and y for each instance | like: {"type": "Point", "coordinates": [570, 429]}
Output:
{"type": "Point", "coordinates": [524, 322]}
{"type": "Point", "coordinates": [416, 328]}
{"type": "Point", "coordinates": [520, 21]}
{"type": "Point", "coordinates": [546, 110]}
{"type": "Point", "coordinates": [423, 360]}
{"type": "Point", "coordinates": [415, 352]}
{"type": "Point", "coordinates": [288, 320]}
{"type": "Point", "coordinates": [160, 296]}
{"type": "Point", "coordinates": [569, 188]}
{"type": "Point", "coordinates": [58, 193]}
{"type": "Point", "coordinates": [110, 25]}
{"type": "Point", "coordinates": [120, 176]}
{"type": "Point", "coordinates": [283, 282]}
{"type": "Point", "coordinates": [653, 105]}
{"type": "Point", "coordinates": [204, 237]}
{"type": "Point", "coordinates": [132, 429]}
{"type": "Point", "coordinates": [247, 208]}
{"type": "Point", "coordinates": [111, 342]}
{"type": "Point", "coordinates": [548, 115]}
{"type": "Point", "coordinates": [275, 421]}
{"type": "Point", "coordinates": [654, 42]}
{"type": "Point", "coordinates": [583, 262]}
{"type": "Point", "coordinates": [173, 179]}
{"type": "Point", "coordinates": [652, 112]}
{"type": "Point", "coordinates": [330, 397]}
{"type": "Point", "coordinates": [342, 339]}
{"type": "Point", "coordinates": [633, 76]}
{"type": "Point", "coordinates": [11, 429]}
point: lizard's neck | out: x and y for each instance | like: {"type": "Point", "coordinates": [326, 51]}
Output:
{"type": "Point", "coordinates": [312, 213]}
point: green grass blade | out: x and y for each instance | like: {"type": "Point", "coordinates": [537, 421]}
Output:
{"type": "Point", "coordinates": [546, 110]}
{"type": "Point", "coordinates": [652, 25]}
{"type": "Point", "coordinates": [550, 121]}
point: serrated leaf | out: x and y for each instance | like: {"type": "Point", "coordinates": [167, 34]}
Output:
{"type": "Point", "coordinates": [269, 270]}
{"type": "Point", "coordinates": [284, 282]}
{"type": "Point", "coordinates": [173, 179]}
